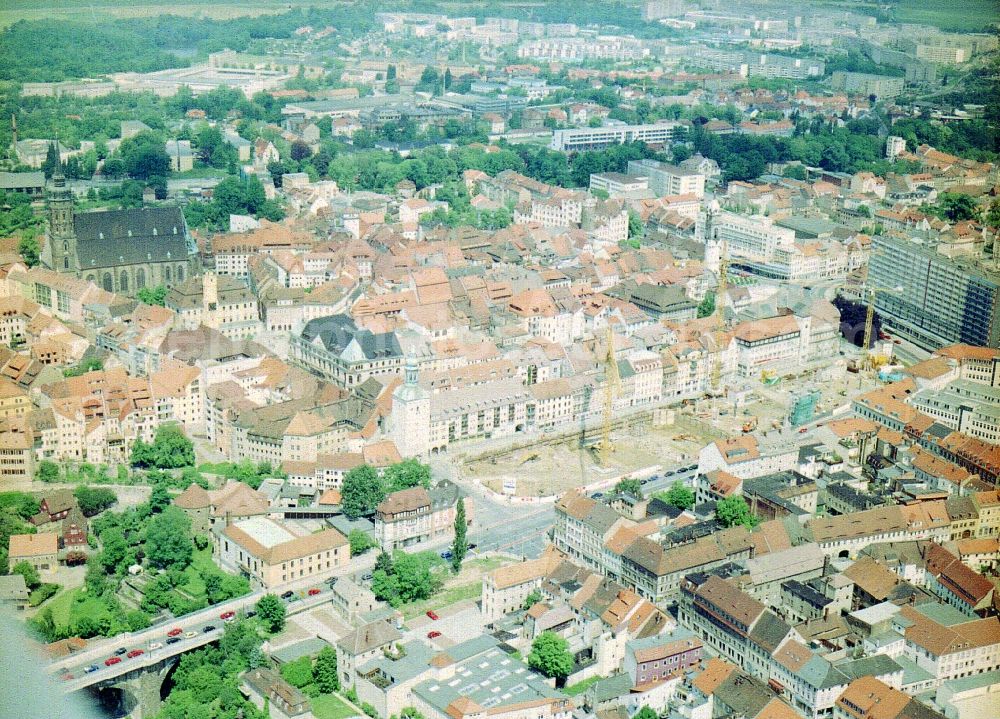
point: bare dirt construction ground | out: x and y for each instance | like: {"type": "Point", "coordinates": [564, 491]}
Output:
{"type": "Point", "coordinates": [544, 470]}
{"type": "Point", "coordinates": [555, 464]}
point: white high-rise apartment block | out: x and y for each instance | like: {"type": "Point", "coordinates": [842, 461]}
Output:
{"type": "Point", "coordinates": [894, 146]}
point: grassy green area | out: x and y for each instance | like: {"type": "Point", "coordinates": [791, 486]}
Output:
{"type": "Point", "coordinates": [195, 585]}
{"type": "Point", "coordinates": [214, 467]}
{"type": "Point", "coordinates": [442, 599]}
{"type": "Point", "coordinates": [958, 15]}
{"type": "Point", "coordinates": [199, 173]}
{"type": "Point", "coordinates": [581, 687]}
{"type": "Point", "coordinates": [486, 564]}
{"type": "Point", "coordinates": [331, 706]}
{"type": "Point", "coordinates": [41, 593]}
{"type": "Point", "coordinates": [66, 610]}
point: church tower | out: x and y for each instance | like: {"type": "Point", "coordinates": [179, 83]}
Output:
{"type": "Point", "coordinates": [411, 414]}
{"type": "Point", "coordinates": [61, 242]}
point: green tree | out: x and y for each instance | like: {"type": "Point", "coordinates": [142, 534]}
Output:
{"type": "Point", "coordinates": [48, 471]}
{"type": "Point", "coordinates": [734, 510]}
{"type": "Point", "coordinates": [234, 196]}
{"type": "Point", "coordinates": [635, 226]}
{"type": "Point", "coordinates": [152, 295]}
{"type": "Point", "coordinates": [646, 713]}
{"type": "Point", "coordinates": [460, 545]}
{"type": "Point", "coordinates": [361, 492]}
{"type": "Point", "coordinates": [114, 550]}
{"type": "Point", "coordinates": [30, 574]}
{"type": "Point", "coordinates": [168, 539]}
{"type": "Point", "coordinates": [409, 578]}
{"type": "Point", "coordinates": [360, 542]}
{"type": "Point", "coordinates": [531, 600]}
{"type": "Point", "coordinates": [159, 498]}
{"type": "Point", "coordinates": [28, 249]}
{"type": "Point", "coordinates": [678, 496]}
{"type": "Point", "coordinates": [550, 656]}
{"type": "Point", "coordinates": [92, 500]}
{"type": "Point", "coordinates": [325, 671]}
{"type": "Point", "coordinates": [145, 156]}
{"type": "Point", "coordinates": [271, 611]}
{"type": "Point", "coordinates": [956, 207]}
{"type": "Point", "coordinates": [707, 306]}
{"type": "Point", "coordinates": [171, 449]}
{"type": "Point", "coordinates": [51, 162]}
{"type": "Point", "coordinates": [629, 486]}
{"type": "Point", "coordinates": [298, 673]}
{"type": "Point", "coordinates": [406, 474]}
{"type": "Point", "coordinates": [300, 151]}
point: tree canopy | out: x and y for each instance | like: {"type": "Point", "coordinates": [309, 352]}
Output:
{"type": "Point", "coordinates": [629, 486]}
{"type": "Point", "coordinates": [460, 545]}
{"type": "Point", "coordinates": [168, 539]}
{"type": "Point", "coordinates": [409, 578]}
{"type": "Point", "coordinates": [271, 611]}
{"type": "Point", "coordinates": [406, 474]}
{"type": "Point", "coordinates": [678, 496]}
{"type": "Point", "coordinates": [361, 491]}
{"type": "Point", "coordinates": [734, 510]}
{"type": "Point", "coordinates": [550, 655]}
{"type": "Point", "coordinates": [170, 449]}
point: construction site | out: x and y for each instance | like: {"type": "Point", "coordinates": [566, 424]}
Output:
{"type": "Point", "coordinates": [657, 440]}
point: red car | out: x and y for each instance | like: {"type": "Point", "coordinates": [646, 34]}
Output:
{"type": "Point", "coordinates": [803, 430]}
{"type": "Point", "coordinates": [433, 635]}
{"type": "Point", "coordinates": [432, 615]}
{"type": "Point", "coordinates": [67, 677]}
{"type": "Point", "coordinates": [175, 632]}
{"type": "Point", "coordinates": [226, 616]}
{"type": "Point", "coordinates": [111, 661]}
{"type": "Point", "coordinates": [313, 592]}
{"type": "Point", "coordinates": [134, 653]}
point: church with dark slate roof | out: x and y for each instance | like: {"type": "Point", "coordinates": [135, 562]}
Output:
{"type": "Point", "coordinates": [119, 250]}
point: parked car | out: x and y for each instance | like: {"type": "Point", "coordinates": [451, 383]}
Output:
{"type": "Point", "coordinates": [803, 430]}
{"type": "Point", "coordinates": [313, 592]}
{"type": "Point", "coordinates": [432, 614]}
{"type": "Point", "coordinates": [472, 546]}
{"type": "Point", "coordinates": [175, 632]}
{"type": "Point", "coordinates": [91, 669]}
{"type": "Point", "coordinates": [120, 651]}
{"type": "Point", "coordinates": [366, 577]}
{"type": "Point", "coordinates": [155, 645]}
{"type": "Point", "coordinates": [134, 653]}
{"type": "Point", "coordinates": [288, 595]}
{"type": "Point", "coordinates": [250, 614]}
{"type": "Point", "coordinates": [67, 676]}
{"type": "Point", "coordinates": [207, 629]}
{"type": "Point", "coordinates": [173, 640]}
{"type": "Point", "coordinates": [227, 616]}
{"type": "Point", "coordinates": [111, 661]}
{"type": "Point", "coordinates": [189, 635]}
{"type": "Point", "coordinates": [446, 554]}
{"type": "Point", "coordinates": [433, 635]}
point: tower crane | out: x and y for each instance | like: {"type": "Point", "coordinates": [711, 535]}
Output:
{"type": "Point", "coordinates": [720, 313]}
{"type": "Point", "coordinates": [612, 386]}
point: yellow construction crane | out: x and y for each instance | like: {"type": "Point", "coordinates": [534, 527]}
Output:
{"type": "Point", "coordinates": [720, 314]}
{"type": "Point", "coordinates": [870, 361]}
{"type": "Point", "coordinates": [869, 322]}
{"type": "Point", "coordinates": [723, 285]}
{"type": "Point", "coordinates": [612, 386]}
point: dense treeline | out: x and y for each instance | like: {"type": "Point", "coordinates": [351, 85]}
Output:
{"type": "Point", "coordinates": [53, 50]}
